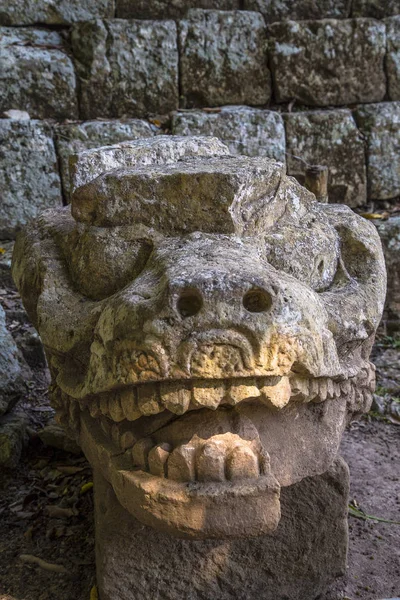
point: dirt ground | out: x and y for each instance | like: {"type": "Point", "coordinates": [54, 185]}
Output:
{"type": "Point", "coordinates": [46, 504]}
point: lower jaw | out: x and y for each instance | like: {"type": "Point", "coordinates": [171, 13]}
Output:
{"type": "Point", "coordinates": [193, 510]}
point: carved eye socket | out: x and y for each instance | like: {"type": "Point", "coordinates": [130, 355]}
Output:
{"type": "Point", "coordinates": [309, 252]}
{"type": "Point", "coordinates": [103, 261]}
{"type": "Point", "coordinates": [257, 300]}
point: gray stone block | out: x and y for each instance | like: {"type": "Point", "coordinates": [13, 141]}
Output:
{"type": "Point", "coordinates": [29, 179]}
{"type": "Point", "coordinates": [298, 10]}
{"type": "Point", "coordinates": [376, 9]}
{"type": "Point", "coordinates": [393, 57]}
{"type": "Point", "coordinates": [329, 138]}
{"type": "Point", "coordinates": [297, 561]}
{"type": "Point", "coordinates": [165, 9]}
{"type": "Point", "coordinates": [72, 138]}
{"type": "Point", "coordinates": [12, 438]}
{"type": "Point", "coordinates": [53, 12]}
{"type": "Point", "coordinates": [11, 380]}
{"type": "Point", "coordinates": [389, 232]}
{"type": "Point", "coordinates": [380, 124]}
{"type": "Point", "coordinates": [244, 130]}
{"type": "Point", "coordinates": [329, 62]}
{"type": "Point", "coordinates": [126, 68]}
{"type": "Point", "coordinates": [223, 58]}
{"type": "Point", "coordinates": [36, 74]}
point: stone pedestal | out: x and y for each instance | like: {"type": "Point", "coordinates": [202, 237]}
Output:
{"type": "Point", "coordinates": [297, 562]}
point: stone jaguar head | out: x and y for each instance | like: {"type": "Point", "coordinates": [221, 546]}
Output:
{"type": "Point", "coordinates": [207, 325]}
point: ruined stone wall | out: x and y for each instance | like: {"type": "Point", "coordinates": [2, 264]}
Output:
{"type": "Point", "coordinates": [300, 81]}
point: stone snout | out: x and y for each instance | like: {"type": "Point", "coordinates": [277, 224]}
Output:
{"type": "Point", "coordinates": [205, 390]}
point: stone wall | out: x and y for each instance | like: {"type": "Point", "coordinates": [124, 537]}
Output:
{"type": "Point", "coordinates": [294, 80]}
{"type": "Point", "coordinates": [299, 81]}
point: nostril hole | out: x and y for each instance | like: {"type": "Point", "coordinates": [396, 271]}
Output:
{"type": "Point", "coordinates": [257, 300]}
{"type": "Point", "coordinates": [189, 303]}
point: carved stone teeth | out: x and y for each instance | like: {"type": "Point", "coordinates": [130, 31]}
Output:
{"type": "Point", "coordinates": [104, 405]}
{"type": "Point", "coordinates": [211, 461]}
{"type": "Point", "coordinates": [242, 464]}
{"type": "Point", "coordinates": [208, 395]}
{"type": "Point", "coordinates": [239, 392]}
{"type": "Point", "coordinates": [300, 387]}
{"type": "Point", "coordinates": [182, 463]}
{"type": "Point", "coordinates": [94, 408]}
{"type": "Point", "coordinates": [105, 426]}
{"type": "Point", "coordinates": [157, 459]}
{"type": "Point", "coordinates": [128, 399]}
{"type": "Point", "coordinates": [115, 434]}
{"type": "Point", "coordinates": [140, 453]}
{"type": "Point", "coordinates": [313, 389]}
{"type": "Point", "coordinates": [175, 398]}
{"type": "Point", "coordinates": [115, 409]}
{"type": "Point", "coordinates": [278, 395]}
{"type": "Point", "coordinates": [148, 400]}
{"type": "Point", "coordinates": [346, 387]}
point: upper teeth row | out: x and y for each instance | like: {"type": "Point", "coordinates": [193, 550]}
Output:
{"type": "Point", "coordinates": [149, 399]}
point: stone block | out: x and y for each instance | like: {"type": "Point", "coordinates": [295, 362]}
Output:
{"type": "Point", "coordinates": [36, 74]}
{"type": "Point", "coordinates": [223, 58]}
{"type": "Point", "coordinates": [72, 138]}
{"type": "Point", "coordinates": [126, 68]}
{"type": "Point", "coordinates": [389, 232]}
{"type": "Point", "coordinates": [376, 9]}
{"type": "Point", "coordinates": [380, 124]}
{"type": "Point", "coordinates": [29, 179]}
{"type": "Point", "coordinates": [329, 138]}
{"type": "Point", "coordinates": [53, 12]}
{"type": "Point", "coordinates": [393, 57]}
{"type": "Point", "coordinates": [299, 10]}
{"type": "Point", "coordinates": [165, 9]}
{"type": "Point", "coordinates": [11, 380]}
{"type": "Point", "coordinates": [244, 130]}
{"type": "Point", "coordinates": [165, 149]}
{"type": "Point", "coordinates": [297, 561]}
{"type": "Point", "coordinates": [328, 62]}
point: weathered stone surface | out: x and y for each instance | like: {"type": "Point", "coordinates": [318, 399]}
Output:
{"type": "Point", "coordinates": [165, 9]}
{"type": "Point", "coordinates": [329, 138]}
{"type": "Point", "coordinates": [12, 438]}
{"type": "Point", "coordinates": [347, 63]}
{"type": "Point", "coordinates": [299, 10]}
{"type": "Point", "coordinates": [389, 232]}
{"type": "Point", "coordinates": [53, 12]}
{"type": "Point", "coordinates": [29, 179]}
{"type": "Point", "coordinates": [380, 124]}
{"type": "Point", "coordinates": [76, 137]}
{"type": "Point", "coordinates": [297, 561]}
{"type": "Point", "coordinates": [376, 9]}
{"type": "Point", "coordinates": [248, 131]}
{"type": "Point", "coordinates": [88, 165]}
{"type": "Point", "coordinates": [54, 435]}
{"type": "Point", "coordinates": [223, 58]}
{"type": "Point", "coordinates": [126, 68]}
{"type": "Point", "coordinates": [11, 381]}
{"type": "Point", "coordinates": [393, 57]}
{"type": "Point", "coordinates": [36, 74]}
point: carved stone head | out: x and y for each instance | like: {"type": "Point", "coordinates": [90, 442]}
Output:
{"type": "Point", "coordinates": [207, 325]}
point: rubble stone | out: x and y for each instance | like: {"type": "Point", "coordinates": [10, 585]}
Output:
{"type": "Point", "coordinates": [36, 74]}
{"type": "Point", "coordinates": [126, 68]}
{"type": "Point", "coordinates": [165, 9]}
{"type": "Point", "coordinates": [12, 438]}
{"type": "Point", "coordinates": [72, 138]}
{"type": "Point", "coordinates": [380, 124]}
{"type": "Point", "coordinates": [244, 130]}
{"type": "Point", "coordinates": [29, 179]}
{"type": "Point", "coordinates": [53, 12]}
{"type": "Point", "coordinates": [223, 58]}
{"type": "Point", "coordinates": [347, 64]}
{"type": "Point", "coordinates": [11, 381]}
{"type": "Point", "coordinates": [393, 57]}
{"type": "Point", "coordinates": [299, 10]}
{"type": "Point", "coordinates": [329, 138]}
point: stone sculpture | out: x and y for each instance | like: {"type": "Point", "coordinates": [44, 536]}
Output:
{"type": "Point", "coordinates": [208, 326]}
